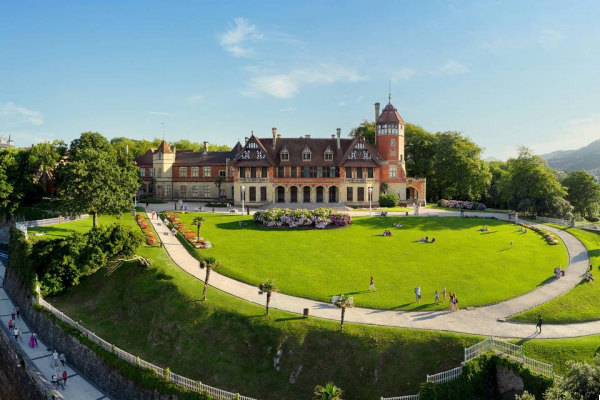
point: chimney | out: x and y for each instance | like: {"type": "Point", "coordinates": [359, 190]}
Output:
{"type": "Point", "coordinates": [333, 136]}
{"type": "Point", "coordinates": [339, 134]}
{"type": "Point", "coordinates": [205, 147]}
{"type": "Point", "coordinates": [246, 139]}
{"type": "Point", "coordinates": [274, 136]}
{"type": "Point", "coordinates": [278, 136]}
{"type": "Point", "coordinates": [307, 136]}
{"type": "Point", "coordinates": [377, 112]}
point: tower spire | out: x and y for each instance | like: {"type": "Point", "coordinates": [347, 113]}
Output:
{"type": "Point", "coordinates": [390, 92]}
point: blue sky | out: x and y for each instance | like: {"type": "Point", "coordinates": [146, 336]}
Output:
{"type": "Point", "coordinates": [505, 73]}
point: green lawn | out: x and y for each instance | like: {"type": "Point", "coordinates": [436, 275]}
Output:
{"type": "Point", "coordinates": [489, 210]}
{"type": "Point", "coordinates": [479, 266]}
{"type": "Point", "coordinates": [84, 225]}
{"type": "Point", "coordinates": [582, 303]}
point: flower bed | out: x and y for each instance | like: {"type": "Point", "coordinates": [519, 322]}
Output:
{"type": "Point", "coordinates": [147, 229]}
{"type": "Point", "coordinates": [467, 205]}
{"type": "Point", "coordinates": [319, 218]}
{"type": "Point", "coordinates": [550, 238]}
{"type": "Point", "coordinates": [186, 232]}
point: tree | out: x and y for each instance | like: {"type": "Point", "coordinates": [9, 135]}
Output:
{"type": "Point", "coordinates": [582, 381]}
{"type": "Point", "coordinates": [328, 392]}
{"type": "Point", "coordinates": [268, 287]}
{"type": "Point", "coordinates": [218, 182]}
{"type": "Point", "coordinates": [9, 194]}
{"type": "Point", "coordinates": [96, 180]}
{"type": "Point", "coordinates": [366, 129]}
{"type": "Point", "coordinates": [583, 193]}
{"type": "Point", "coordinates": [525, 396]}
{"type": "Point", "coordinates": [198, 222]}
{"type": "Point", "coordinates": [529, 180]}
{"type": "Point", "coordinates": [344, 302]}
{"type": "Point", "coordinates": [44, 156]}
{"type": "Point", "coordinates": [209, 263]}
{"type": "Point", "coordinates": [419, 151]}
{"type": "Point", "coordinates": [493, 197]}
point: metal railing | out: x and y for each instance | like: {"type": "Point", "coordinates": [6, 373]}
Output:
{"type": "Point", "coordinates": [52, 221]}
{"type": "Point", "coordinates": [556, 221]}
{"type": "Point", "coordinates": [513, 351]}
{"type": "Point", "coordinates": [130, 358]}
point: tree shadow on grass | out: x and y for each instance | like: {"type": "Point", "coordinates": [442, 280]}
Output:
{"type": "Point", "coordinates": [288, 319]}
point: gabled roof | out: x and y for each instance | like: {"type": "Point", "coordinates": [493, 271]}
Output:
{"type": "Point", "coordinates": [390, 114]}
{"type": "Point", "coordinates": [189, 157]}
{"type": "Point", "coordinates": [164, 147]}
{"type": "Point", "coordinates": [146, 158]}
{"type": "Point", "coordinates": [253, 159]}
{"type": "Point", "coordinates": [372, 162]}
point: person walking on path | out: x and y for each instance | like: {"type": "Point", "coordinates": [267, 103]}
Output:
{"type": "Point", "coordinates": [35, 338]}
{"type": "Point", "coordinates": [451, 302]}
{"type": "Point", "coordinates": [16, 333]}
{"type": "Point", "coordinates": [31, 342]}
{"type": "Point", "coordinates": [456, 303]}
{"type": "Point", "coordinates": [55, 358]}
{"type": "Point", "coordinates": [146, 204]}
{"type": "Point", "coordinates": [372, 285]}
{"type": "Point", "coordinates": [539, 323]}
{"type": "Point", "coordinates": [10, 325]}
{"type": "Point", "coordinates": [418, 294]}
{"type": "Point", "coordinates": [18, 312]}
{"type": "Point", "coordinates": [13, 314]}
{"type": "Point", "coordinates": [62, 359]}
{"type": "Point", "coordinates": [444, 293]}
{"type": "Point", "coordinates": [436, 297]}
{"type": "Point", "coordinates": [65, 376]}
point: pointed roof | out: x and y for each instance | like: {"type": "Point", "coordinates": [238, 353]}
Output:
{"type": "Point", "coordinates": [164, 147]}
{"type": "Point", "coordinates": [390, 114]}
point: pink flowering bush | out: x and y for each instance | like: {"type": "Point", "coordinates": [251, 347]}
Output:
{"type": "Point", "coordinates": [320, 218]}
{"type": "Point", "coordinates": [467, 205]}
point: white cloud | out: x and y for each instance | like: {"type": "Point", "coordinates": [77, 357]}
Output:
{"type": "Point", "coordinates": [12, 114]}
{"type": "Point", "coordinates": [288, 109]}
{"type": "Point", "coordinates": [347, 100]}
{"type": "Point", "coordinates": [403, 74]}
{"type": "Point", "coordinates": [287, 85]}
{"type": "Point", "coordinates": [451, 67]}
{"type": "Point", "coordinates": [236, 40]}
{"type": "Point", "coordinates": [550, 38]}
{"type": "Point", "coordinates": [161, 113]}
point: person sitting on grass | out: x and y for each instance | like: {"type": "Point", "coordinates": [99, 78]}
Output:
{"type": "Point", "coordinates": [588, 276]}
{"type": "Point", "coordinates": [426, 239]}
{"type": "Point", "coordinates": [387, 233]}
{"type": "Point", "coordinates": [422, 239]}
{"type": "Point", "coordinates": [433, 240]}
{"type": "Point", "coordinates": [397, 225]}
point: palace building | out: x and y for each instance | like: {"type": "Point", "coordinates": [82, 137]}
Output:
{"type": "Point", "coordinates": [279, 169]}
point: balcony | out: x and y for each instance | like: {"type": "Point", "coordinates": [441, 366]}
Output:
{"type": "Point", "coordinates": [359, 180]}
{"type": "Point", "coordinates": [253, 180]}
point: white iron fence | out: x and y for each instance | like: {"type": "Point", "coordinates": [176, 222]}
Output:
{"type": "Point", "coordinates": [513, 351]}
{"type": "Point", "coordinates": [130, 358]}
{"type": "Point", "coordinates": [53, 221]}
{"type": "Point", "coordinates": [576, 224]}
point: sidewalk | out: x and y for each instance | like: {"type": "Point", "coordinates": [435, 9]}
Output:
{"type": "Point", "coordinates": [78, 387]}
{"type": "Point", "coordinates": [487, 320]}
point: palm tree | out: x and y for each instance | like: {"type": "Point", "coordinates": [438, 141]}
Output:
{"type": "Point", "coordinates": [209, 263]}
{"type": "Point", "coordinates": [268, 287]}
{"type": "Point", "coordinates": [198, 222]}
{"type": "Point", "coordinates": [328, 392]}
{"type": "Point", "coordinates": [344, 302]}
{"type": "Point", "coordinates": [218, 182]}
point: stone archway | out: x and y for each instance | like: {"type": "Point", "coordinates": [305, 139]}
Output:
{"type": "Point", "coordinates": [280, 194]}
{"type": "Point", "coordinates": [306, 194]}
{"type": "Point", "coordinates": [294, 194]}
{"type": "Point", "coordinates": [320, 194]}
{"type": "Point", "coordinates": [334, 194]}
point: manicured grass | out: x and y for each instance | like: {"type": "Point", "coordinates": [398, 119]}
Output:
{"type": "Point", "coordinates": [379, 209]}
{"type": "Point", "coordinates": [84, 225]}
{"type": "Point", "coordinates": [480, 267]}
{"type": "Point", "coordinates": [488, 211]}
{"type": "Point", "coordinates": [580, 304]}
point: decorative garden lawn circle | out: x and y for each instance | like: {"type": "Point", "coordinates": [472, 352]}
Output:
{"type": "Point", "coordinates": [481, 267]}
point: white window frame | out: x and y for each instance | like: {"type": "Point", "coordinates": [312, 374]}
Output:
{"type": "Point", "coordinates": [204, 174]}
{"type": "Point", "coordinates": [183, 172]}
{"type": "Point", "coordinates": [206, 192]}
{"type": "Point", "coordinates": [393, 172]}
{"type": "Point", "coordinates": [284, 155]}
{"type": "Point", "coordinates": [328, 155]}
{"type": "Point", "coordinates": [195, 172]}
{"type": "Point", "coordinates": [143, 172]}
{"type": "Point", "coordinates": [195, 191]}
{"type": "Point", "coordinates": [151, 172]}
{"type": "Point", "coordinates": [183, 191]}
{"type": "Point", "coordinates": [306, 154]}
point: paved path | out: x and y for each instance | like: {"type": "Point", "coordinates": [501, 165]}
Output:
{"type": "Point", "coordinates": [77, 388]}
{"type": "Point", "coordinates": [487, 320]}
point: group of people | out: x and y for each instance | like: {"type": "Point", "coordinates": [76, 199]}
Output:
{"type": "Point", "coordinates": [522, 229]}
{"type": "Point", "coordinates": [182, 205]}
{"type": "Point", "coordinates": [59, 380]}
{"type": "Point", "coordinates": [484, 229]}
{"type": "Point", "coordinates": [558, 272]}
{"type": "Point", "coordinates": [588, 274]}
{"type": "Point", "coordinates": [426, 239]}
{"type": "Point", "coordinates": [387, 233]}
{"type": "Point", "coordinates": [436, 297]}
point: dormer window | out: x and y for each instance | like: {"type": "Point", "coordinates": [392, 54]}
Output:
{"type": "Point", "coordinates": [360, 145]}
{"type": "Point", "coordinates": [306, 154]}
{"type": "Point", "coordinates": [328, 154]}
{"type": "Point", "coordinates": [252, 145]}
{"type": "Point", "coordinates": [284, 155]}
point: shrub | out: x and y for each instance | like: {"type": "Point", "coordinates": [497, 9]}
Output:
{"type": "Point", "coordinates": [320, 218]}
{"type": "Point", "coordinates": [388, 200]}
{"type": "Point", "coordinates": [467, 205]}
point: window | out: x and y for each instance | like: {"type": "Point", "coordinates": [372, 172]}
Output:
{"type": "Point", "coordinates": [360, 145]}
{"type": "Point", "coordinates": [392, 172]}
{"type": "Point", "coordinates": [183, 191]}
{"type": "Point", "coordinates": [359, 172]}
{"type": "Point", "coordinates": [348, 173]}
{"type": "Point", "coordinates": [195, 172]}
{"type": "Point", "coordinates": [223, 173]}
{"type": "Point", "coordinates": [306, 154]}
{"type": "Point", "coordinates": [294, 172]}
{"type": "Point", "coordinates": [263, 193]}
{"type": "Point", "coordinates": [370, 172]}
{"type": "Point", "coordinates": [392, 152]}
{"type": "Point", "coordinates": [167, 191]}
{"type": "Point", "coordinates": [159, 191]}
{"type": "Point", "coordinates": [349, 194]}
{"type": "Point", "coordinates": [252, 172]}
{"type": "Point", "coordinates": [207, 172]}
{"type": "Point", "coordinates": [306, 172]}
{"type": "Point", "coordinates": [252, 193]}
{"type": "Point", "coordinates": [285, 155]}
{"type": "Point", "coordinates": [361, 194]}
{"type": "Point", "coordinates": [319, 172]}
{"type": "Point", "coordinates": [151, 172]}
{"type": "Point", "coordinates": [242, 172]}
{"type": "Point", "coordinates": [328, 155]}
{"type": "Point", "coordinates": [260, 155]}
{"type": "Point", "coordinates": [366, 155]}
{"type": "Point", "coordinates": [194, 191]}
{"type": "Point", "coordinates": [393, 142]}
{"type": "Point", "coordinates": [281, 172]}
{"type": "Point", "coordinates": [252, 145]}
{"type": "Point", "coordinates": [183, 172]}
{"type": "Point", "coordinates": [142, 172]}
{"type": "Point", "coordinates": [206, 191]}
{"type": "Point", "coordinates": [264, 172]}
{"type": "Point", "coordinates": [160, 172]}
{"type": "Point", "coordinates": [333, 172]}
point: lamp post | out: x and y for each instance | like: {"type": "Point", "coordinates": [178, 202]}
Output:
{"type": "Point", "coordinates": [370, 201]}
{"type": "Point", "coordinates": [243, 195]}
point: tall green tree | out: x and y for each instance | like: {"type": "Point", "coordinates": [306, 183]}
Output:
{"type": "Point", "coordinates": [419, 151]}
{"type": "Point", "coordinates": [493, 197]}
{"type": "Point", "coordinates": [583, 193]}
{"type": "Point", "coordinates": [96, 179]}
{"type": "Point", "coordinates": [44, 156]}
{"type": "Point", "coordinates": [529, 183]}
{"type": "Point", "coordinates": [581, 382]}
{"type": "Point", "coordinates": [366, 129]}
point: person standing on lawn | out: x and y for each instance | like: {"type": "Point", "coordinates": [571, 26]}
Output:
{"type": "Point", "coordinates": [444, 293]}
{"type": "Point", "coordinates": [372, 285]}
{"type": "Point", "coordinates": [436, 297]}
{"type": "Point", "coordinates": [418, 294]}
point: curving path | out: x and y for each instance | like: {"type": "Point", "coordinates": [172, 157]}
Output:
{"type": "Point", "coordinates": [486, 320]}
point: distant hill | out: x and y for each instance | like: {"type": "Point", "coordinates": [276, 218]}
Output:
{"type": "Point", "coordinates": [490, 159]}
{"type": "Point", "coordinates": [586, 158]}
